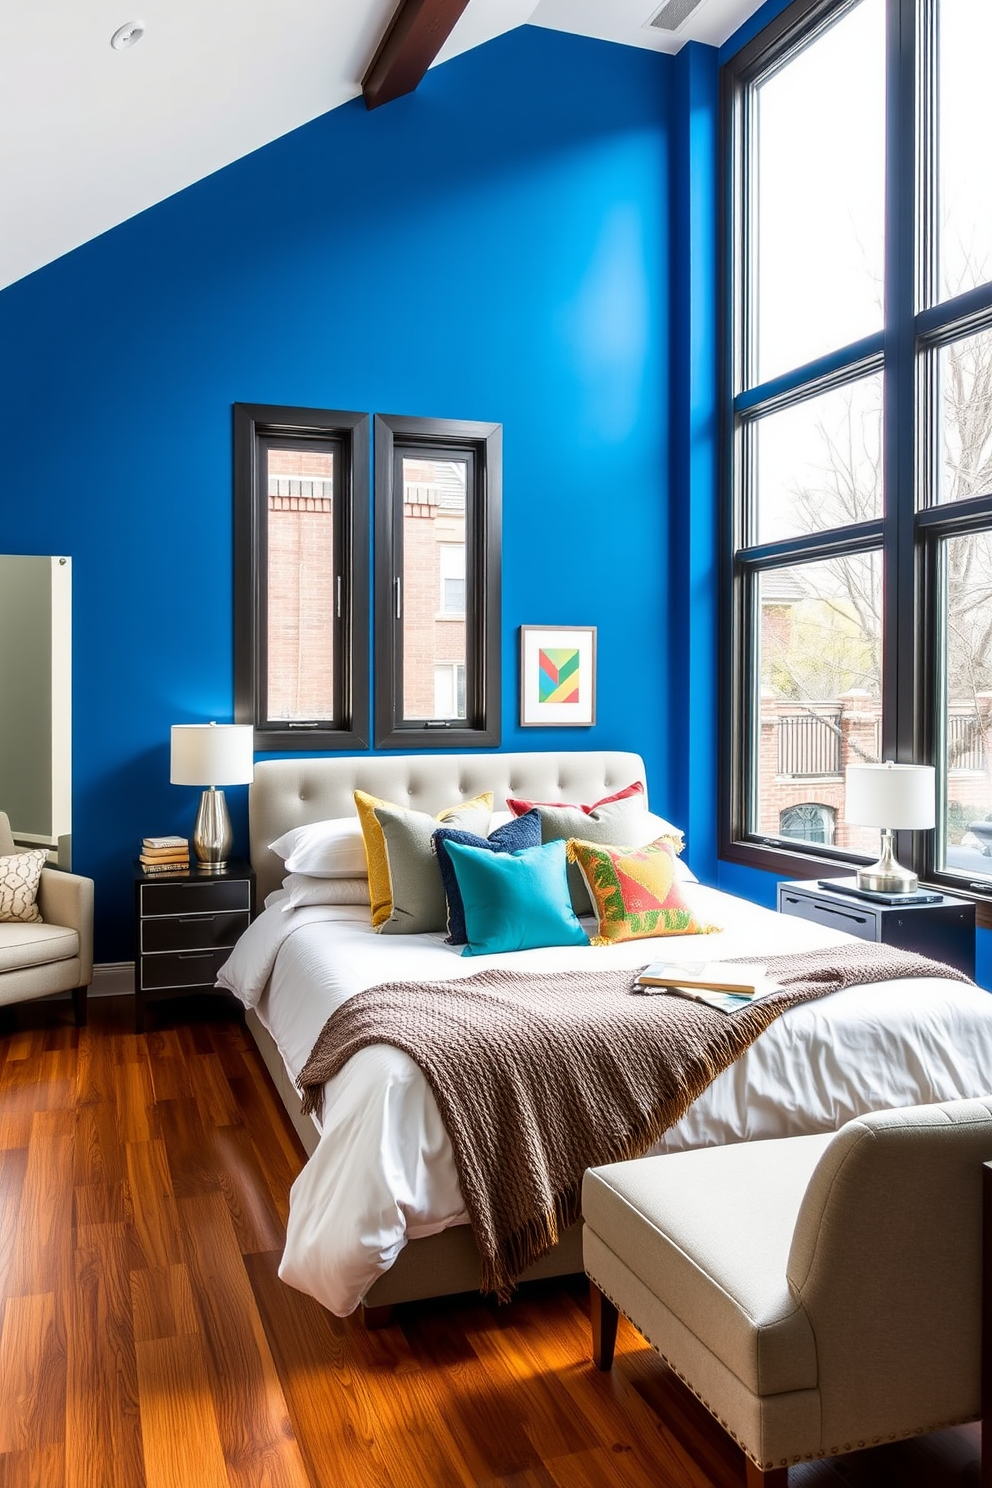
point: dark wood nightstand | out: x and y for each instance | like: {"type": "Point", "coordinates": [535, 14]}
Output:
{"type": "Point", "coordinates": [944, 931]}
{"type": "Point", "coordinates": [185, 925]}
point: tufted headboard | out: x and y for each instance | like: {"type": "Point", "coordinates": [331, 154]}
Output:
{"type": "Point", "coordinates": [289, 793]}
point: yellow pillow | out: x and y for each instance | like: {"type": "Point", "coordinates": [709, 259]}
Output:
{"type": "Point", "coordinates": [634, 891]}
{"type": "Point", "coordinates": [472, 816]}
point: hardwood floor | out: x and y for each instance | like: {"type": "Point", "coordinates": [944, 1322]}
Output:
{"type": "Point", "coordinates": [147, 1340]}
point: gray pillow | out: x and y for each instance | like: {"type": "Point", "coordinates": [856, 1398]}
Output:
{"type": "Point", "coordinates": [626, 823]}
{"type": "Point", "coordinates": [414, 876]}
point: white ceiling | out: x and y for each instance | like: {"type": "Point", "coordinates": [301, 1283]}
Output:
{"type": "Point", "coordinates": [89, 136]}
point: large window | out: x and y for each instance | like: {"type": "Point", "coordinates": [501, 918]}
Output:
{"type": "Point", "coordinates": [301, 577]}
{"type": "Point", "coordinates": [859, 428]}
{"type": "Point", "coordinates": [437, 564]}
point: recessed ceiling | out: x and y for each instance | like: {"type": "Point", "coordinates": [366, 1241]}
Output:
{"type": "Point", "coordinates": [93, 135]}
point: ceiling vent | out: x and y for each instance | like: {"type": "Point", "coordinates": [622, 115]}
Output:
{"type": "Point", "coordinates": [673, 14]}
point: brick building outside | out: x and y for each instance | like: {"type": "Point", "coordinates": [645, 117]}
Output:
{"type": "Point", "coordinates": [302, 586]}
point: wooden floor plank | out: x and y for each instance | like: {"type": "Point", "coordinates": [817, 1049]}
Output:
{"type": "Point", "coordinates": [178, 1423]}
{"type": "Point", "coordinates": [253, 1419]}
{"type": "Point", "coordinates": [13, 1166]}
{"type": "Point", "coordinates": [156, 1221]}
{"type": "Point", "coordinates": [38, 1467]}
{"type": "Point", "coordinates": [256, 1220]}
{"type": "Point", "coordinates": [135, 1098]}
{"type": "Point", "coordinates": [329, 1402]}
{"type": "Point", "coordinates": [102, 1383]}
{"type": "Point", "coordinates": [42, 1255]}
{"type": "Point", "coordinates": [32, 1368]}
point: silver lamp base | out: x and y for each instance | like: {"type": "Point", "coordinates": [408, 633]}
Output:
{"type": "Point", "coordinates": [212, 835]}
{"type": "Point", "coordinates": [887, 876]}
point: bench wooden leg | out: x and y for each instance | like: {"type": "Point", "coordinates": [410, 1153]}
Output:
{"type": "Point", "coordinates": [604, 1328]}
{"type": "Point", "coordinates": [778, 1477]}
{"type": "Point", "coordinates": [375, 1317]}
{"type": "Point", "coordinates": [79, 1006]}
{"type": "Point", "coordinates": [986, 1475]}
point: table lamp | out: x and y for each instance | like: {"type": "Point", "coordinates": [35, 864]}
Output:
{"type": "Point", "coordinates": [212, 754]}
{"type": "Point", "coordinates": [896, 798]}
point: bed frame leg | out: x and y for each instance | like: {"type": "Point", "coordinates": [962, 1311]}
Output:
{"type": "Point", "coordinates": [375, 1317]}
{"type": "Point", "coordinates": [604, 1327]}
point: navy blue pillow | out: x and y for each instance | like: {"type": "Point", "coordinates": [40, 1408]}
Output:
{"type": "Point", "coordinates": [523, 832]}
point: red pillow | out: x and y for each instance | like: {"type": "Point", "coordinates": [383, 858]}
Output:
{"type": "Point", "coordinates": [519, 807]}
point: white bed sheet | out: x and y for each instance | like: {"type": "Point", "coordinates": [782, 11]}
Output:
{"type": "Point", "coordinates": [383, 1171]}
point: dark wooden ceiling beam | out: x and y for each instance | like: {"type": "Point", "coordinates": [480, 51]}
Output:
{"type": "Point", "coordinates": [413, 39]}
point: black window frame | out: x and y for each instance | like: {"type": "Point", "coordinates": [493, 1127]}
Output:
{"type": "Point", "coordinates": [258, 427]}
{"type": "Point", "coordinates": [397, 436]}
{"type": "Point", "coordinates": [912, 526]}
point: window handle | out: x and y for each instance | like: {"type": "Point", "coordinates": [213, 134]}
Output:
{"type": "Point", "coordinates": [339, 596]}
{"type": "Point", "coordinates": [399, 598]}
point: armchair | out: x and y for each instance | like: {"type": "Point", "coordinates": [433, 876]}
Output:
{"type": "Point", "coordinates": [55, 955]}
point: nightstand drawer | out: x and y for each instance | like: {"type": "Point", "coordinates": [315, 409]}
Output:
{"type": "Point", "coordinates": [193, 932]}
{"type": "Point", "coordinates": [203, 897]}
{"type": "Point", "coordinates": [854, 919]}
{"type": "Point", "coordinates": [181, 969]}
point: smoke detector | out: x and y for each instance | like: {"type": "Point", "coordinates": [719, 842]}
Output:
{"type": "Point", "coordinates": [128, 34]}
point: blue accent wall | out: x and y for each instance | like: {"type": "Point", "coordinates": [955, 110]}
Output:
{"type": "Point", "coordinates": [494, 247]}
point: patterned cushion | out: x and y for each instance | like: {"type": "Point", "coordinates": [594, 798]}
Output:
{"type": "Point", "coordinates": [20, 875]}
{"type": "Point", "coordinates": [635, 892]}
{"type": "Point", "coordinates": [405, 888]}
{"type": "Point", "coordinates": [621, 822]}
{"type": "Point", "coordinates": [512, 836]}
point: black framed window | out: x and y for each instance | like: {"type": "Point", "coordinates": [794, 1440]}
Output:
{"type": "Point", "coordinates": [858, 423]}
{"type": "Point", "coordinates": [438, 489]}
{"type": "Point", "coordinates": [301, 576]}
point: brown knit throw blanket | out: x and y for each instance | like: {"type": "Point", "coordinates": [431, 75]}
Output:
{"type": "Point", "coordinates": [539, 1076]}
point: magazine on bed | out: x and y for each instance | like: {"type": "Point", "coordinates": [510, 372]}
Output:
{"type": "Point", "coordinates": [723, 985]}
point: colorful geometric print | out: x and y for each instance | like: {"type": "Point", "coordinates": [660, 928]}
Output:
{"type": "Point", "coordinates": [558, 675]}
{"type": "Point", "coordinates": [634, 891]}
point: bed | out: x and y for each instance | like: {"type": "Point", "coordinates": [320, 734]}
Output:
{"type": "Point", "coordinates": [376, 1214]}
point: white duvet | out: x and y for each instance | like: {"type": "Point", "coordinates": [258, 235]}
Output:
{"type": "Point", "coordinates": [383, 1172]}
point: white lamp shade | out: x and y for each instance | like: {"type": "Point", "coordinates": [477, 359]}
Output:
{"type": "Point", "coordinates": [897, 797]}
{"type": "Point", "coordinates": [212, 754]}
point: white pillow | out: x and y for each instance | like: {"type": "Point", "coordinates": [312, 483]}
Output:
{"type": "Point", "coordinates": [326, 849]}
{"type": "Point", "coordinates": [657, 826]}
{"type": "Point", "coordinates": [302, 890]}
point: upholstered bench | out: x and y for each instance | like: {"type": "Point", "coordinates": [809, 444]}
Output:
{"type": "Point", "coordinates": [818, 1294]}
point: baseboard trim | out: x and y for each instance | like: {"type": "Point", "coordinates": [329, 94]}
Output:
{"type": "Point", "coordinates": [113, 979]}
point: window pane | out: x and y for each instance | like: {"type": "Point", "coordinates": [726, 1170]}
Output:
{"type": "Point", "coordinates": [964, 382]}
{"type": "Point", "coordinates": [966, 602]}
{"type": "Point", "coordinates": [434, 495]}
{"type": "Point", "coordinates": [301, 585]}
{"type": "Point", "coordinates": [820, 175]}
{"type": "Point", "coordinates": [820, 703]}
{"type": "Point", "coordinates": [818, 464]}
{"type": "Point", "coordinates": [964, 179]}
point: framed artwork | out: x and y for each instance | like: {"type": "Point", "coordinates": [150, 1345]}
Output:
{"type": "Point", "coordinates": [557, 676]}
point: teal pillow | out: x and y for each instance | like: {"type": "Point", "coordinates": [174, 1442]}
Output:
{"type": "Point", "coordinates": [515, 901]}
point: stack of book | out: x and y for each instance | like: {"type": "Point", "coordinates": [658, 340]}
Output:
{"type": "Point", "coordinates": [164, 854]}
{"type": "Point", "coordinates": [724, 985]}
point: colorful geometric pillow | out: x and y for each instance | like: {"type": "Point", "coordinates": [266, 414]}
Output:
{"type": "Point", "coordinates": [515, 901]}
{"type": "Point", "coordinates": [20, 875]}
{"type": "Point", "coordinates": [405, 886]}
{"type": "Point", "coordinates": [634, 891]}
{"type": "Point", "coordinates": [519, 832]}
